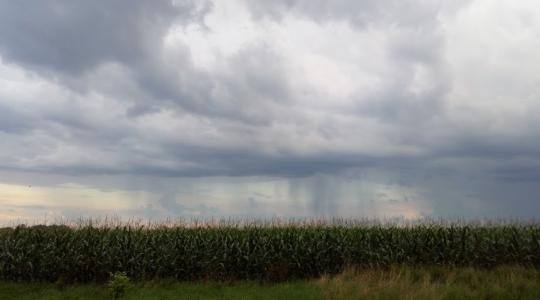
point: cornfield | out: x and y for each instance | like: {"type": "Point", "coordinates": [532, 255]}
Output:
{"type": "Point", "coordinates": [254, 251]}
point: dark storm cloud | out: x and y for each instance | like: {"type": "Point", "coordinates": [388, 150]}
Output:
{"type": "Point", "coordinates": [74, 36]}
{"type": "Point", "coordinates": [63, 39]}
{"type": "Point", "coordinates": [118, 99]}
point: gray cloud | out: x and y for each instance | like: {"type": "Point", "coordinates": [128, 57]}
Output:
{"type": "Point", "coordinates": [359, 13]}
{"type": "Point", "coordinates": [117, 88]}
{"type": "Point", "coordinates": [12, 122]}
{"type": "Point", "coordinates": [74, 36]}
{"type": "Point", "coordinates": [245, 91]}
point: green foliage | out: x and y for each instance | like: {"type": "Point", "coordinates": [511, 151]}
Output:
{"type": "Point", "coordinates": [254, 252]}
{"type": "Point", "coordinates": [118, 284]}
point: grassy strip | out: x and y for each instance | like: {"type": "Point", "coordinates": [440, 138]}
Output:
{"type": "Point", "coordinates": [434, 283]}
{"type": "Point", "coordinates": [163, 291]}
{"type": "Point", "coordinates": [394, 283]}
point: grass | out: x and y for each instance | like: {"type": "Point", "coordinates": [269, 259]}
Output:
{"type": "Point", "coordinates": [502, 282]}
{"type": "Point", "coordinates": [435, 283]}
{"type": "Point", "coordinates": [165, 290]}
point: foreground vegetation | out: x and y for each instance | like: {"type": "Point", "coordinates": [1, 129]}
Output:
{"type": "Point", "coordinates": [271, 252]}
{"type": "Point", "coordinates": [392, 283]}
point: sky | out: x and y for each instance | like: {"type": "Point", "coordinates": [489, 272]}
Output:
{"type": "Point", "coordinates": [255, 109]}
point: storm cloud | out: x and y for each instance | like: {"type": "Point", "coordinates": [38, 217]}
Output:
{"type": "Point", "coordinates": [428, 92]}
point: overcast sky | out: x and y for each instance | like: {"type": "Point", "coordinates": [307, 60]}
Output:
{"type": "Point", "coordinates": [371, 108]}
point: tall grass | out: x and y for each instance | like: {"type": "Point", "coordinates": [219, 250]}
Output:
{"type": "Point", "coordinates": [266, 250]}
